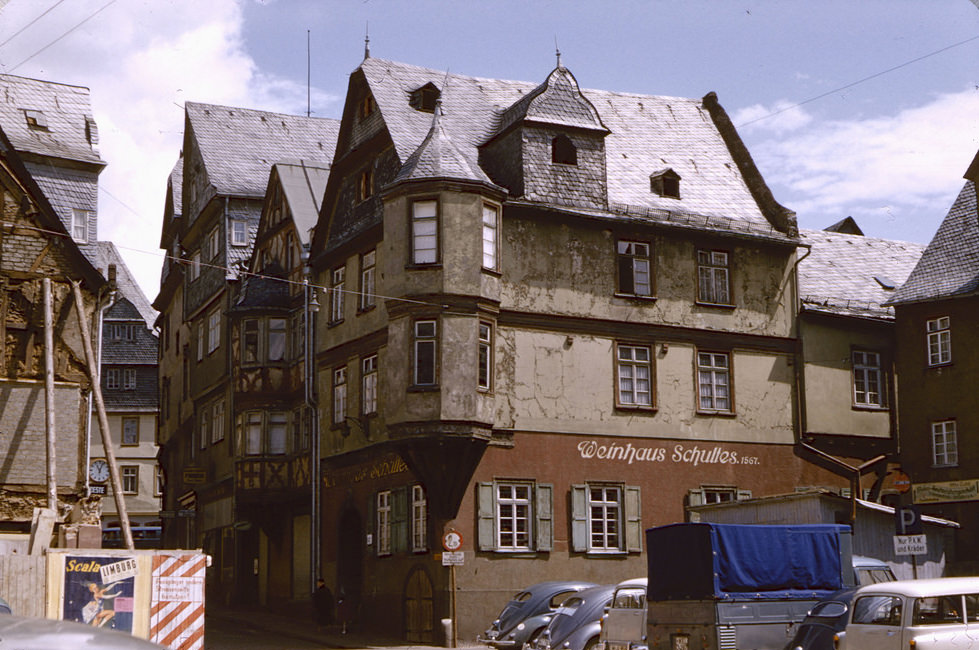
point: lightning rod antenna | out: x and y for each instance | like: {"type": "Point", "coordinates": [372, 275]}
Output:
{"type": "Point", "coordinates": [307, 74]}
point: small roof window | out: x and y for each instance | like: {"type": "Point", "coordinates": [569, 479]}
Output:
{"type": "Point", "coordinates": [563, 151]}
{"type": "Point", "coordinates": [36, 119]}
{"type": "Point", "coordinates": [424, 98]}
{"type": "Point", "coordinates": [885, 282]}
{"type": "Point", "coordinates": [666, 183]}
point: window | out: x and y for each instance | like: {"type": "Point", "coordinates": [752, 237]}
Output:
{"type": "Point", "coordinates": [277, 339]}
{"type": "Point", "coordinates": [484, 371]}
{"type": "Point", "coordinates": [205, 420]}
{"type": "Point", "coordinates": [121, 331]}
{"type": "Point", "coordinates": [491, 217]}
{"type": "Point", "coordinates": [634, 268]}
{"type": "Point", "coordinates": [563, 151]}
{"type": "Point", "coordinates": [367, 279]}
{"type": "Point", "coordinates": [665, 183]}
{"type": "Point", "coordinates": [79, 225]}
{"type": "Point", "coordinates": [339, 394]}
{"type": "Point", "coordinates": [366, 107]}
{"type": "Point", "coordinates": [425, 356]}
{"type": "Point", "coordinates": [160, 483]}
{"type": "Point", "coordinates": [277, 433]}
{"type": "Point", "coordinates": [213, 247]}
{"type": "Point", "coordinates": [877, 610]}
{"type": "Point", "coordinates": [200, 341]}
{"type": "Point", "coordinates": [249, 341]}
{"type": "Point", "coordinates": [605, 518]}
{"type": "Point", "coordinates": [130, 479]}
{"type": "Point", "coordinates": [366, 186]}
{"type": "Point", "coordinates": [714, 382]}
{"type": "Point", "coordinates": [868, 379]}
{"type": "Point", "coordinates": [336, 294]}
{"type": "Point", "coordinates": [130, 431]}
{"type": "Point", "coordinates": [129, 379]}
{"type": "Point", "coordinates": [708, 494]}
{"type": "Point", "coordinates": [939, 341]}
{"type": "Point", "coordinates": [514, 516]}
{"type": "Point", "coordinates": [239, 233]}
{"type": "Point", "coordinates": [195, 266]}
{"type": "Point", "coordinates": [369, 398]}
{"type": "Point", "coordinates": [419, 519]}
{"type": "Point", "coordinates": [944, 442]}
{"type": "Point", "coordinates": [424, 98]}
{"type": "Point", "coordinates": [213, 331]}
{"type": "Point", "coordinates": [634, 372]}
{"type": "Point", "coordinates": [112, 379]}
{"type": "Point", "coordinates": [712, 274]}
{"type": "Point", "coordinates": [424, 232]}
{"type": "Point", "coordinates": [253, 433]}
{"type": "Point", "coordinates": [384, 522]}
{"type": "Point", "coordinates": [217, 421]}
{"type": "Point", "coordinates": [36, 119]}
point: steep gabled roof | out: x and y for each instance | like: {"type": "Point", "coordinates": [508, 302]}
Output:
{"type": "Point", "coordinates": [848, 274]}
{"type": "Point", "coordinates": [70, 130]}
{"type": "Point", "coordinates": [126, 285]}
{"type": "Point", "coordinates": [647, 133]}
{"type": "Point", "coordinates": [949, 267]}
{"type": "Point", "coordinates": [303, 186]}
{"type": "Point", "coordinates": [240, 145]}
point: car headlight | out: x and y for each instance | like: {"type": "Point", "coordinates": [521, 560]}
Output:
{"type": "Point", "coordinates": [520, 626]}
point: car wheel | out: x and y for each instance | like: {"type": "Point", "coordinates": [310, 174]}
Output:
{"type": "Point", "coordinates": [592, 642]}
{"type": "Point", "coordinates": [532, 639]}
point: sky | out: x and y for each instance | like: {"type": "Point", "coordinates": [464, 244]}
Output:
{"type": "Point", "coordinates": [867, 109]}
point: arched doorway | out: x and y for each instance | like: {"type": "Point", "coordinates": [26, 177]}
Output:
{"type": "Point", "coordinates": [419, 607]}
{"type": "Point", "coordinates": [350, 561]}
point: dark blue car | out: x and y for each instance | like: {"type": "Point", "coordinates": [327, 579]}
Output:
{"type": "Point", "coordinates": [826, 619]}
{"type": "Point", "coordinates": [529, 612]}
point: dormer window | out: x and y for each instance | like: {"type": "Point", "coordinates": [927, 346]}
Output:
{"type": "Point", "coordinates": [36, 120]}
{"type": "Point", "coordinates": [666, 183]}
{"type": "Point", "coordinates": [366, 188]}
{"type": "Point", "coordinates": [366, 107]}
{"type": "Point", "coordinates": [563, 151]}
{"type": "Point", "coordinates": [424, 98]}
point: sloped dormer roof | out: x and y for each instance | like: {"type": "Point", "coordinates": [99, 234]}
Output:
{"type": "Point", "coordinates": [303, 186]}
{"type": "Point", "coordinates": [557, 101]}
{"type": "Point", "coordinates": [949, 267]}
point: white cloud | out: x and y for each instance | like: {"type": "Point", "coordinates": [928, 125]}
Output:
{"type": "Point", "coordinates": [142, 61]}
{"type": "Point", "coordinates": [893, 169]}
{"type": "Point", "coordinates": [783, 117]}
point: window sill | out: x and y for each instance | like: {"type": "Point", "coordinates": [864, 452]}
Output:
{"type": "Point", "coordinates": [415, 266]}
{"type": "Point", "coordinates": [723, 414]}
{"type": "Point", "coordinates": [932, 366]}
{"type": "Point", "coordinates": [635, 296]}
{"type": "Point", "coordinates": [364, 310]}
{"type": "Point", "coordinates": [517, 552]}
{"type": "Point", "coordinates": [334, 323]}
{"type": "Point", "coordinates": [954, 466]}
{"type": "Point", "coordinates": [637, 409]}
{"type": "Point", "coordinates": [496, 273]}
{"type": "Point", "coordinates": [870, 408]}
{"type": "Point", "coordinates": [433, 388]}
{"type": "Point", "coordinates": [717, 305]}
{"type": "Point", "coordinates": [606, 553]}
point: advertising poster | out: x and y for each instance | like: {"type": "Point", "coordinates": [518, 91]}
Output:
{"type": "Point", "coordinates": [98, 591]}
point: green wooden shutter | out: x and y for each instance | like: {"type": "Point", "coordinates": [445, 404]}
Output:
{"type": "Point", "coordinates": [544, 499]}
{"type": "Point", "coordinates": [399, 520]}
{"type": "Point", "coordinates": [633, 519]}
{"type": "Point", "coordinates": [486, 515]}
{"type": "Point", "coordinates": [579, 518]}
{"type": "Point", "coordinates": [372, 520]}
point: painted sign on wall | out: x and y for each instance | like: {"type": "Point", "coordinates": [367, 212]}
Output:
{"type": "Point", "coordinates": [694, 455]}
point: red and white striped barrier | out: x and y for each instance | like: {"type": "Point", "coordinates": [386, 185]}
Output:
{"type": "Point", "coordinates": [177, 603]}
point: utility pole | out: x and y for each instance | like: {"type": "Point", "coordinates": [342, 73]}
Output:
{"type": "Point", "coordinates": [50, 431]}
{"type": "Point", "coordinates": [110, 453]}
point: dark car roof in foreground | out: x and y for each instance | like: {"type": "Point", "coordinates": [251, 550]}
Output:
{"type": "Point", "coordinates": [48, 634]}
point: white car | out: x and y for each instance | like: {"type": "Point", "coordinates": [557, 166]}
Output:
{"type": "Point", "coordinates": [939, 613]}
{"type": "Point", "coordinates": [624, 623]}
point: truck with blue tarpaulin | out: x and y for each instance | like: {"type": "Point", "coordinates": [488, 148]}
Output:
{"type": "Point", "coordinates": [743, 587]}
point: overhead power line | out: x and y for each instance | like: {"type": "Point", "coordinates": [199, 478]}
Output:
{"type": "Point", "coordinates": [79, 24]}
{"type": "Point", "coordinates": [21, 30]}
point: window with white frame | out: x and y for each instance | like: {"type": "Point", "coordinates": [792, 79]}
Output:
{"type": "Point", "coordinates": [714, 382]}
{"type": "Point", "coordinates": [634, 374]}
{"type": "Point", "coordinates": [367, 261]}
{"type": "Point", "coordinates": [338, 280]}
{"type": "Point", "coordinates": [159, 484]}
{"type": "Point", "coordinates": [253, 433]}
{"type": "Point", "coordinates": [425, 356]}
{"type": "Point", "coordinates": [635, 277]}
{"type": "Point", "coordinates": [939, 341]}
{"type": "Point", "coordinates": [707, 494]}
{"type": "Point", "coordinates": [384, 522]}
{"type": "Point", "coordinates": [213, 331]}
{"type": "Point", "coordinates": [868, 379]}
{"type": "Point", "coordinates": [491, 219]}
{"type": "Point", "coordinates": [217, 421]}
{"type": "Point", "coordinates": [339, 394]}
{"type": "Point", "coordinates": [278, 424]}
{"type": "Point", "coordinates": [276, 350]}
{"type": "Point", "coordinates": [713, 275]}
{"type": "Point", "coordinates": [79, 224]}
{"type": "Point", "coordinates": [112, 378]}
{"type": "Point", "coordinates": [239, 233]}
{"type": "Point", "coordinates": [213, 245]}
{"type": "Point", "coordinates": [130, 431]}
{"type": "Point", "coordinates": [129, 379]}
{"type": "Point", "coordinates": [605, 518]}
{"type": "Point", "coordinates": [515, 516]}
{"type": "Point", "coordinates": [424, 232]}
{"type": "Point", "coordinates": [484, 371]}
{"type": "Point", "coordinates": [944, 443]}
{"type": "Point", "coordinates": [419, 519]}
{"type": "Point", "coordinates": [130, 479]}
{"type": "Point", "coordinates": [369, 384]}
{"type": "Point", "coordinates": [249, 341]}
{"type": "Point", "coordinates": [195, 266]}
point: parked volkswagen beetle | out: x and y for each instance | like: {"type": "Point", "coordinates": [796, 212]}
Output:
{"type": "Point", "coordinates": [576, 625]}
{"type": "Point", "coordinates": [48, 634]}
{"type": "Point", "coordinates": [529, 612]}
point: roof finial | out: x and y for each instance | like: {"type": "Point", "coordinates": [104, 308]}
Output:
{"type": "Point", "coordinates": [367, 41]}
{"type": "Point", "coordinates": [557, 51]}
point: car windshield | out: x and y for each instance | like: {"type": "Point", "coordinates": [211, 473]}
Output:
{"type": "Point", "coordinates": [631, 598]}
{"type": "Point", "coordinates": [558, 599]}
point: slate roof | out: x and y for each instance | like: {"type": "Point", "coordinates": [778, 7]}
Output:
{"type": "Point", "coordinates": [556, 101]}
{"type": "Point", "coordinates": [126, 285]}
{"type": "Point", "coordinates": [240, 145]}
{"type": "Point", "coordinates": [263, 292]}
{"type": "Point", "coordinates": [71, 131]}
{"type": "Point", "coordinates": [847, 274]}
{"type": "Point", "coordinates": [303, 186]}
{"type": "Point", "coordinates": [950, 264]}
{"type": "Point", "coordinates": [647, 133]}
